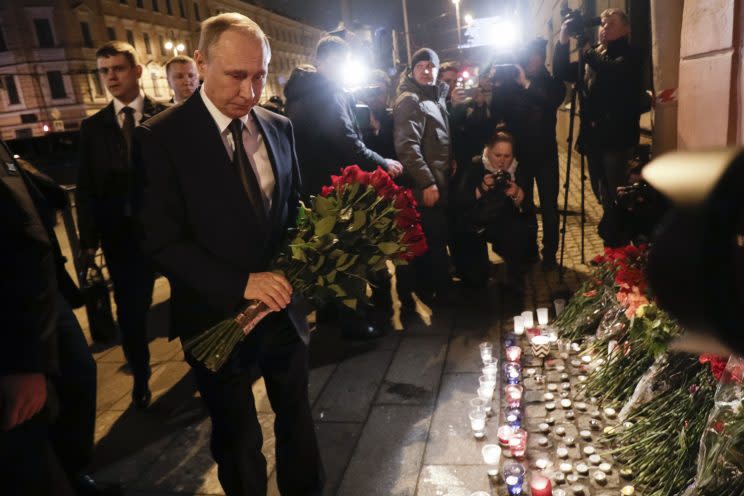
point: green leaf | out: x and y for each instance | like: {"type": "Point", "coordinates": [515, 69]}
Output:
{"type": "Point", "coordinates": [325, 226]}
{"type": "Point", "coordinates": [331, 276]}
{"type": "Point", "coordinates": [388, 248]}
{"type": "Point", "coordinates": [324, 206]}
{"type": "Point", "coordinates": [352, 260]}
{"type": "Point", "coordinates": [298, 253]}
{"type": "Point", "coordinates": [318, 264]}
{"type": "Point", "coordinates": [350, 302]}
{"type": "Point", "coordinates": [373, 259]}
{"type": "Point", "coordinates": [341, 260]}
{"type": "Point", "coordinates": [360, 218]}
{"type": "Point", "coordinates": [338, 290]}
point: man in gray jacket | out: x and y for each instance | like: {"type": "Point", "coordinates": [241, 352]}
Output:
{"type": "Point", "coordinates": [423, 146]}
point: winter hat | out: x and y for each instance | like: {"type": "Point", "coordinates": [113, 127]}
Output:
{"type": "Point", "coordinates": [424, 54]}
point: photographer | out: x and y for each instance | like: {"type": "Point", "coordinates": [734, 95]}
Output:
{"type": "Point", "coordinates": [611, 99]}
{"type": "Point", "coordinates": [489, 203]}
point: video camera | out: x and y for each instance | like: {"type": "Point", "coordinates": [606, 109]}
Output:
{"type": "Point", "coordinates": [577, 23]}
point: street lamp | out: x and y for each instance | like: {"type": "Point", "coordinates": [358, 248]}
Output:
{"type": "Point", "coordinates": [457, 18]}
{"type": "Point", "coordinates": [468, 19]}
{"type": "Point", "coordinates": [169, 45]}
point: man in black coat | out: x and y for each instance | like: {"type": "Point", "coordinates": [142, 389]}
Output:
{"type": "Point", "coordinates": [106, 203]}
{"type": "Point", "coordinates": [221, 187]}
{"type": "Point", "coordinates": [47, 373]}
{"type": "Point", "coordinates": [612, 95]}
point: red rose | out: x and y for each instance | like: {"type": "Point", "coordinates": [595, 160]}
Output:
{"type": "Point", "coordinates": [337, 182]}
{"type": "Point", "coordinates": [407, 217]}
{"type": "Point", "coordinates": [716, 363]}
{"type": "Point", "coordinates": [385, 187]}
{"type": "Point", "coordinates": [327, 190]}
{"type": "Point", "coordinates": [353, 174]}
{"type": "Point", "coordinates": [404, 199]}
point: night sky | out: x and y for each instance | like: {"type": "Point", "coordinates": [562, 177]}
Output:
{"type": "Point", "coordinates": [432, 22]}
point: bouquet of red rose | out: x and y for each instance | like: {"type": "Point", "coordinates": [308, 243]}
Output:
{"type": "Point", "coordinates": [350, 231]}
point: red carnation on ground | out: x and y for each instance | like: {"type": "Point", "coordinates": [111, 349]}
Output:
{"type": "Point", "coordinates": [716, 363]}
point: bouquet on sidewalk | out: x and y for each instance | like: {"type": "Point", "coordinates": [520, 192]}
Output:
{"type": "Point", "coordinates": [351, 230]}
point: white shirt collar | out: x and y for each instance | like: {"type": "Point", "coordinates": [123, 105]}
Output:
{"type": "Point", "coordinates": [221, 119]}
{"type": "Point", "coordinates": [137, 104]}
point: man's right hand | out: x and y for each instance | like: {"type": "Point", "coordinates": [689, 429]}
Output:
{"type": "Point", "coordinates": [272, 289]}
{"type": "Point", "coordinates": [21, 397]}
{"type": "Point", "coordinates": [394, 168]}
{"type": "Point", "coordinates": [431, 196]}
{"type": "Point", "coordinates": [458, 96]}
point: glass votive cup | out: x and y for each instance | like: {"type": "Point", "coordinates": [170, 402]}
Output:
{"type": "Point", "coordinates": [478, 422]}
{"type": "Point", "coordinates": [491, 370]}
{"type": "Point", "coordinates": [559, 304]}
{"type": "Point", "coordinates": [476, 403]}
{"type": "Point", "coordinates": [513, 393]}
{"type": "Point", "coordinates": [514, 478]}
{"type": "Point", "coordinates": [513, 373]}
{"type": "Point", "coordinates": [504, 434]}
{"type": "Point", "coordinates": [487, 382]}
{"type": "Point", "coordinates": [540, 346]}
{"type": "Point", "coordinates": [540, 486]}
{"type": "Point", "coordinates": [518, 443]}
{"type": "Point", "coordinates": [542, 316]}
{"type": "Point", "coordinates": [513, 354]}
{"type": "Point", "coordinates": [486, 352]}
{"type": "Point", "coordinates": [491, 456]}
{"type": "Point", "coordinates": [528, 319]}
{"type": "Point", "coordinates": [486, 395]}
{"type": "Point", "coordinates": [518, 325]}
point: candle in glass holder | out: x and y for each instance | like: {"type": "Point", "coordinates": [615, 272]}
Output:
{"type": "Point", "coordinates": [513, 421]}
{"type": "Point", "coordinates": [559, 304]}
{"type": "Point", "coordinates": [528, 319]}
{"type": "Point", "coordinates": [514, 478]}
{"type": "Point", "coordinates": [487, 382]}
{"type": "Point", "coordinates": [513, 393]}
{"type": "Point", "coordinates": [562, 452]}
{"type": "Point", "coordinates": [518, 443]}
{"type": "Point", "coordinates": [504, 433]}
{"type": "Point", "coordinates": [478, 422]}
{"type": "Point", "coordinates": [540, 486]}
{"type": "Point", "coordinates": [540, 346]}
{"type": "Point", "coordinates": [513, 373]}
{"type": "Point", "coordinates": [518, 325]}
{"type": "Point", "coordinates": [542, 316]}
{"type": "Point", "coordinates": [486, 352]}
{"type": "Point", "coordinates": [491, 456]}
{"type": "Point", "coordinates": [491, 370]}
{"type": "Point", "coordinates": [513, 354]}
{"type": "Point", "coordinates": [487, 396]}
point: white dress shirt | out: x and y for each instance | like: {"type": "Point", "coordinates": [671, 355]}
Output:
{"type": "Point", "coordinates": [137, 104]}
{"type": "Point", "coordinates": [254, 145]}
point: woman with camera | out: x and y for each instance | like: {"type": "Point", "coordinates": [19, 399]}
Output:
{"type": "Point", "coordinates": [488, 205]}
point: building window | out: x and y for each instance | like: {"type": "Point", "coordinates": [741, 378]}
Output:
{"type": "Point", "coordinates": [140, 4]}
{"type": "Point", "coordinates": [155, 86]}
{"type": "Point", "coordinates": [161, 41]}
{"type": "Point", "coordinates": [56, 85]}
{"type": "Point", "coordinates": [44, 33]}
{"type": "Point", "coordinates": [181, 9]}
{"type": "Point", "coordinates": [87, 38]}
{"type": "Point", "coordinates": [148, 47]}
{"type": "Point", "coordinates": [12, 90]}
{"type": "Point", "coordinates": [3, 46]}
{"type": "Point", "coordinates": [130, 37]}
{"type": "Point", "coordinates": [111, 33]}
{"type": "Point", "coordinates": [169, 7]}
{"type": "Point", "coordinates": [197, 16]}
{"type": "Point", "coordinates": [155, 6]}
{"type": "Point", "coordinates": [95, 84]}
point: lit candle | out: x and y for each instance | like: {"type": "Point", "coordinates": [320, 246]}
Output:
{"type": "Point", "coordinates": [626, 473]}
{"type": "Point", "coordinates": [530, 372]}
{"type": "Point", "coordinates": [566, 468]}
{"type": "Point", "coordinates": [528, 319]}
{"type": "Point", "coordinates": [543, 427]}
{"type": "Point", "coordinates": [595, 459]}
{"type": "Point", "coordinates": [514, 477]}
{"type": "Point", "coordinates": [504, 433]}
{"type": "Point", "coordinates": [550, 420]}
{"type": "Point", "coordinates": [542, 463]}
{"type": "Point", "coordinates": [548, 397]}
{"type": "Point", "coordinates": [478, 422]}
{"type": "Point", "coordinates": [518, 325]}
{"type": "Point", "coordinates": [566, 403]}
{"type": "Point", "coordinates": [540, 486]}
{"type": "Point", "coordinates": [486, 352]}
{"type": "Point", "coordinates": [610, 413]}
{"type": "Point", "coordinates": [518, 443]}
{"type": "Point", "coordinates": [513, 393]}
{"type": "Point", "coordinates": [562, 452]}
{"type": "Point", "coordinates": [589, 450]}
{"type": "Point", "coordinates": [605, 467]}
{"type": "Point", "coordinates": [513, 372]}
{"type": "Point", "coordinates": [600, 477]}
{"type": "Point", "coordinates": [491, 370]}
{"type": "Point", "coordinates": [487, 396]}
{"type": "Point", "coordinates": [581, 406]}
{"type": "Point", "coordinates": [586, 359]}
{"type": "Point", "coordinates": [491, 455]}
{"type": "Point", "coordinates": [513, 485]}
{"type": "Point", "coordinates": [550, 405]}
{"type": "Point", "coordinates": [627, 491]}
{"type": "Point", "coordinates": [578, 490]}
{"type": "Point", "coordinates": [586, 435]}
{"type": "Point", "coordinates": [582, 468]}
{"type": "Point", "coordinates": [513, 354]}
{"type": "Point", "coordinates": [542, 316]}
{"type": "Point", "coordinates": [560, 430]}
{"type": "Point", "coordinates": [552, 387]}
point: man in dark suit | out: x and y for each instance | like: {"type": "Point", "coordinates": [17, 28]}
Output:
{"type": "Point", "coordinates": [105, 203]}
{"type": "Point", "coordinates": [221, 187]}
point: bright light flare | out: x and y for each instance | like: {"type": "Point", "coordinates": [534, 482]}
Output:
{"type": "Point", "coordinates": [468, 19]}
{"type": "Point", "coordinates": [180, 47]}
{"type": "Point", "coordinates": [354, 74]}
{"type": "Point", "coordinates": [505, 34]}
{"type": "Point", "coordinates": [169, 45]}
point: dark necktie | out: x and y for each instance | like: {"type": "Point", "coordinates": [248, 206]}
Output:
{"type": "Point", "coordinates": [127, 128]}
{"type": "Point", "coordinates": [243, 164]}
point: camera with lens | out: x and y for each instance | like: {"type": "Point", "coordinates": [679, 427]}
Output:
{"type": "Point", "coordinates": [577, 23]}
{"type": "Point", "coordinates": [634, 195]}
{"type": "Point", "coordinates": [502, 179]}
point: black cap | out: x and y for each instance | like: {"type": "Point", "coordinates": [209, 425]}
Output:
{"type": "Point", "coordinates": [424, 54]}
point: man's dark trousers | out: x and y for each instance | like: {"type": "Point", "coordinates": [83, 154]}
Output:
{"type": "Point", "coordinates": [133, 282]}
{"type": "Point", "coordinates": [544, 171]}
{"type": "Point", "coordinates": [282, 359]}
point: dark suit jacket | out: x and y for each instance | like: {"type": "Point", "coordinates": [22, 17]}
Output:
{"type": "Point", "coordinates": [105, 178]}
{"type": "Point", "coordinates": [200, 229]}
{"type": "Point", "coordinates": [28, 285]}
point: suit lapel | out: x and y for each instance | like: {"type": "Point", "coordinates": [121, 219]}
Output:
{"type": "Point", "coordinates": [270, 138]}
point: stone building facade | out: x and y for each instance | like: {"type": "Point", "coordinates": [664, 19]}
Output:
{"type": "Point", "coordinates": [47, 53]}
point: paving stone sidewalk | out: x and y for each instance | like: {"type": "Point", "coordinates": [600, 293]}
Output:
{"type": "Point", "coordinates": [390, 415]}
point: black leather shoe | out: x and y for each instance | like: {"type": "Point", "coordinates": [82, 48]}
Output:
{"type": "Point", "coordinates": [85, 485]}
{"type": "Point", "coordinates": [360, 329]}
{"type": "Point", "coordinates": [141, 397]}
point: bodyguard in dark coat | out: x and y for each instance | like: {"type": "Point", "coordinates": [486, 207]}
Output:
{"type": "Point", "coordinates": [222, 186]}
{"type": "Point", "coordinates": [610, 117]}
{"type": "Point", "coordinates": [106, 203]}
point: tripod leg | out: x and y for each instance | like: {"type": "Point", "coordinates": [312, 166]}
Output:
{"type": "Point", "coordinates": [569, 151]}
{"type": "Point", "coordinates": [583, 210]}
